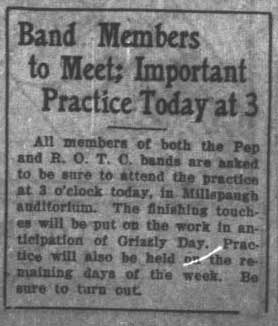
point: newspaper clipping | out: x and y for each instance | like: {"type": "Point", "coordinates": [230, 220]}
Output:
{"type": "Point", "coordinates": [138, 164]}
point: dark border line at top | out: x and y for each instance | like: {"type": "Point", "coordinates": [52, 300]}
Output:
{"type": "Point", "coordinates": [142, 10]}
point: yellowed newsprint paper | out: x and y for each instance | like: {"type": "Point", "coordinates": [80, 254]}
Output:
{"type": "Point", "coordinates": [138, 163]}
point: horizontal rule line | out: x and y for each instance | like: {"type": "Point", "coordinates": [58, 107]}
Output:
{"type": "Point", "coordinates": [137, 128]}
{"type": "Point", "coordinates": [236, 12]}
{"type": "Point", "coordinates": [132, 309]}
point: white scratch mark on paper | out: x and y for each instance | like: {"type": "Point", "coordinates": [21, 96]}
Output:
{"type": "Point", "coordinates": [128, 54]}
{"type": "Point", "coordinates": [204, 257]}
